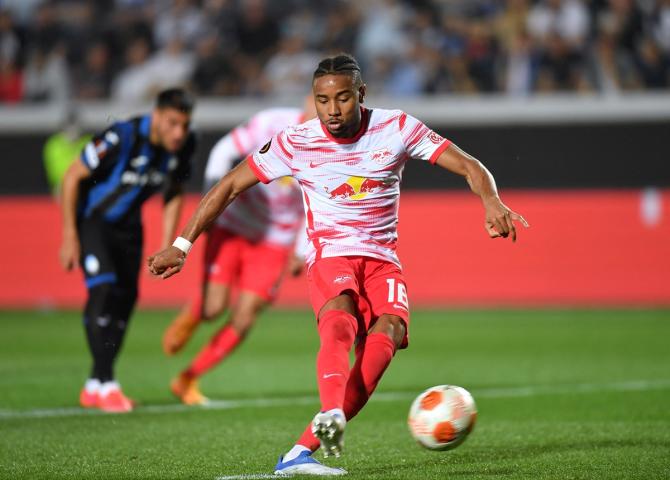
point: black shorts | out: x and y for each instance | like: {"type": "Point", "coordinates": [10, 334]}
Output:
{"type": "Point", "coordinates": [110, 253]}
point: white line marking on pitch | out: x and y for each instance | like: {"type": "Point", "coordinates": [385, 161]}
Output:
{"type": "Point", "coordinates": [502, 392]}
{"type": "Point", "coordinates": [248, 476]}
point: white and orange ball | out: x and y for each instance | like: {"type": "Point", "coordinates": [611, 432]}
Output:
{"type": "Point", "coordinates": [442, 417]}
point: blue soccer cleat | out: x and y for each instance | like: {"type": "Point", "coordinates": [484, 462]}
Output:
{"type": "Point", "coordinates": [304, 464]}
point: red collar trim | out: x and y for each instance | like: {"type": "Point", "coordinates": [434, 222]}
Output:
{"type": "Point", "coordinates": [365, 120]}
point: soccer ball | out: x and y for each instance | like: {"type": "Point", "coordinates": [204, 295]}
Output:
{"type": "Point", "coordinates": [442, 417]}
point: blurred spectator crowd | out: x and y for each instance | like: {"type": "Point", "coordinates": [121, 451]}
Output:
{"type": "Point", "coordinates": [126, 50]}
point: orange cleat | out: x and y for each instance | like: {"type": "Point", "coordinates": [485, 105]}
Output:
{"type": "Point", "coordinates": [114, 401]}
{"type": "Point", "coordinates": [88, 399]}
{"type": "Point", "coordinates": [179, 332]}
{"type": "Point", "coordinates": [185, 387]}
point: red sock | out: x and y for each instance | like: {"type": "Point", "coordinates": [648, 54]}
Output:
{"type": "Point", "coordinates": [219, 347]}
{"type": "Point", "coordinates": [337, 330]}
{"type": "Point", "coordinates": [373, 356]}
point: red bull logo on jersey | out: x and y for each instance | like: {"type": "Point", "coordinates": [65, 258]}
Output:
{"type": "Point", "coordinates": [357, 188]}
{"type": "Point", "coordinates": [382, 156]}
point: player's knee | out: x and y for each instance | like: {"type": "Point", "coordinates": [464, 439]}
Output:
{"type": "Point", "coordinates": [123, 298]}
{"type": "Point", "coordinates": [99, 299]}
{"type": "Point", "coordinates": [212, 308]}
{"type": "Point", "coordinates": [344, 302]}
{"type": "Point", "coordinates": [129, 297]}
{"type": "Point", "coordinates": [391, 326]}
{"type": "Point", "coordinates": [242, 322]}
{"type": "Point", "coordinates": [338, 326]}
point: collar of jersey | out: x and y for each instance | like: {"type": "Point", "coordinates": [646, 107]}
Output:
{"type": "Point", "coordinates": [365, 119]}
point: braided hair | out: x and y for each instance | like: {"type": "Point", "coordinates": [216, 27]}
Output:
{"type": "Point", "coordinates": [342, 64]}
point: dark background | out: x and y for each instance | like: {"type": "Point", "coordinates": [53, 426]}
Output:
{"type": "Point", "coordinates": [556, 156]}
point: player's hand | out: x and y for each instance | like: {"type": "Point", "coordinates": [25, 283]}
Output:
{"type": "Point", "coordinates": [500, 219]}
{"type": "Point", "coordinates": [296, 265]}
{"type": "Point", "coordinates": [167, 262]}
{"type": "Point", "coordinates": [70, 252]}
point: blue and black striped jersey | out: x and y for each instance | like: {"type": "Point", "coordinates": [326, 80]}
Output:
{"type": "Point", "coordinates": [126, 169]}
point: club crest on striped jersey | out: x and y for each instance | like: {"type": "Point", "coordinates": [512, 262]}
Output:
{"type": "Point", "coordinates": [382, 156]}
{"type": "Point", "coordinates": [435, 138]}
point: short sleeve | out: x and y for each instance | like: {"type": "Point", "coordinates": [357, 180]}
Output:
{"type": "Point", "coordinates": [274, 159]}
{"type": "Point", "coordinates": [420, 141]}
{"type": "Point", "coordinates": [102, 148]}
{"type": "Point", "coordinates": [221, 159]}
{"type": "Point", "coordinates": [249, 135]}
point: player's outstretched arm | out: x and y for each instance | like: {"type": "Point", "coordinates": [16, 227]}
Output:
{"type": "Point", "coordinates": [70, 248]}
{"type": "Point", "coordinates": [499, 218]}
{"type": "Point", "coordinates": [172, 205]}
{"type": "Point", "coordinates": [169, 261]}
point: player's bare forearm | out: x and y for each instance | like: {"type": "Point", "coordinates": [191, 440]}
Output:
{"type": "Point", "coordinates": [218, 198]}
{"type": "Point", "coordinates": [170, 260]}
{"type": "Point", "coordinates": [478, 177]}
{"type": "Point", "coordinates": [171, 213]}
{"type": "Point", "coordinates": [69, 251]}
{"type": "Point", "coordinates": [69, 195]}
{"type": "Point", "coordinates": [499, 218]}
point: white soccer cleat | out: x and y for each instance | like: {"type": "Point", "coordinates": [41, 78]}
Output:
{"type": "Point", "coordinates": [304, 464]}
{"type": "Point", "coordinates": [328, 427]}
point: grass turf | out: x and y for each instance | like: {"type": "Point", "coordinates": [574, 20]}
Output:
{"type": "Point", "coordinates": [561, 394]}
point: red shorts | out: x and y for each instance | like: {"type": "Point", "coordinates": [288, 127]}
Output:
{"type": "Point", "coordinates": [378, 287]}
{"type": "Point", "coordinates": [253, 267]}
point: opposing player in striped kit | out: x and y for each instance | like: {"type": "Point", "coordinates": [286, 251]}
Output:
{"type": "Point", "coordinates": [249, 246]}
{"type": "Point", "coordinates": [102, 197]}
{"type": "Point", "coordinates": [348, 163]}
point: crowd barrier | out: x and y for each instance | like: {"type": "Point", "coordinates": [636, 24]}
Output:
{"type": "Point", "coordinates": [586, 248]}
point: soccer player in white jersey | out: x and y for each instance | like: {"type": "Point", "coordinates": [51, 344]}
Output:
{"type": "Point", "coordinates": [348, 163]}
{"type": "Point", "coordinates": [249, 246]}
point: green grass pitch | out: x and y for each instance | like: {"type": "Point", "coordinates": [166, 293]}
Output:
{"type": "Point", "coordinates": [561, 395]}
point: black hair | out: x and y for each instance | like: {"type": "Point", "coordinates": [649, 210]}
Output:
{"type": "Point", "coordinates": [342, 64]}
{"type": "Point", "coordinates": [176, 98]}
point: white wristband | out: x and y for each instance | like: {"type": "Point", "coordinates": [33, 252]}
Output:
{"type": "Point", "coordinates": [182, 244]}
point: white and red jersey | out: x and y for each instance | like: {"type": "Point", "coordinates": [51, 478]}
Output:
{"type": "Point", "coordinates": [351, 186]}
{"type": "Point", "coordinates": [265, 213]}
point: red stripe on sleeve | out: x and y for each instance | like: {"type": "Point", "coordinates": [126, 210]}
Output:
{"type": "Point", "coordinates": [438, 152]}
{"type": "Point", "coordinates": [403, 119]}
{"type": "Point", "coordinates": [416, 135]}
{"type": "Point", "coordinates": [293, 144]}
{"type": "Point", "coordinates": [257, 171]}
{"type": "Point", "coordinates": [283, 148]}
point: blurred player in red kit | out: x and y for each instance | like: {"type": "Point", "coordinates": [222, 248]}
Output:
{"type": "Point", "coordinates": [249, 246]}
{"type": "Point", "coordinates": [349, 163]}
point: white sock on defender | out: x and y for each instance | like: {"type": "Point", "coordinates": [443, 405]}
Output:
{"type": "Point", "coordinates": [92, 385]}
{"type": "Point", "coordinates": [294, 452]}
{"type": "Point", "coordinates": [107, 387]}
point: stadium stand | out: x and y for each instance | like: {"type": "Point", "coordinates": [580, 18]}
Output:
{"type": "Point", "coordinates": [119, 49]}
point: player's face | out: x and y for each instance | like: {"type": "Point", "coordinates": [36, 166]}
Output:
{"type": "Point", "coordinates": [171, 128]}
{"type": "Point", "coordinates": [338, 104]}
